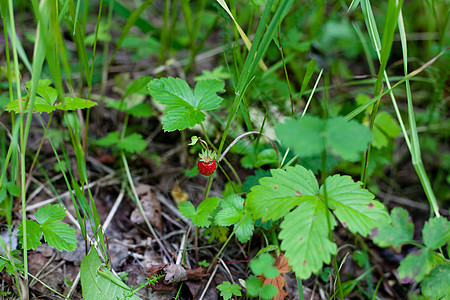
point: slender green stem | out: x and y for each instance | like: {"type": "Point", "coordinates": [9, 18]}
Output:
{"type": "Point", "coordinates": [300, 288]}
{"type": "Point", "coordinates": [216, 258]}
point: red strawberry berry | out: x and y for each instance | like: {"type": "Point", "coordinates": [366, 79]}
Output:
{"type": "Point", "coordinates": [207, 163]}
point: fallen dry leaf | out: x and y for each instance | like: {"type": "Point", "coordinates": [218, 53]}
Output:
{"type": "Point", "coordinates": [175, 273]}
{"type": "Point", "coordinates": [151, 206]}
{"type": "Point", "coordinates": [282, 265]}
{"type": "Point", "coordinates": [178, 195]}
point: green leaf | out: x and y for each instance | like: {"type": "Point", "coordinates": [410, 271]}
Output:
{"type": "Point", "coordinates": [111, 139]}
{"type": "Point", "coordinates": [133, 143]}
{"type": "Point", "coordinates": [142, 110]}
{"type": "Point", "coordinates": [399, 232]}
{"type": "Point", "coordinates": [231, 211]}
{"type": "Point", "coordinates": [40, 105]}
{"type": "Point", "coordinates": [416, 265]}
{"type": "Point", "coordinates": [57, 234]}
{"type": "Point", "coordinates": [13, 189]}
{"type": "Point", "coordinates": [348, 139]}
{"type": "Point", "coordinates": [264, 265]}
{"type": "Point", "coordinates": [45, 90]}
{"type": "Point", "coordinates": [50, 213]}
{"type": "Point", "coordinates": [436, 233]}
{"type": "Point", "coordinates": [275, 196]}
{"type": "Point", "coordinates": [354, 206]}
{"type": "Point", "coordinates": [218, 73]}
{"type": "Point", "coordinates": [303, 135]}
{"type": "Point", "coordinates": [228, 290]}
{"type": "Point", "coordinates": [96, 286]}
{"type": "Point", "coordinates": [183, 107]}
{"type": "Point", "coordinates": [268, 291]}
{"type": "Point", "coordinates": [436, 284]}
{"type": "Point", "coordinates": [60, 235]}
{"type": "Point", "coordinates": [244, 231]}
{"type": "Point", "coordinates": [137, 86]}
{"type": "Point", "coordinates": [385, 127]}
{"type": "Point", "coordinates": [34, 234]}
{"type": "Point", "coordinates": [201, 216]}
{"type": "Point", "coordinates": [253, 285]}
{"type": "Point", "coordinates": [310, 135]}
{"type": "Point", "coordinates": [74, 103]}
{"type": "Point", "coordinates": [305, 237]}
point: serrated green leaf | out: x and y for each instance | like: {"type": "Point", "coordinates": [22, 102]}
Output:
{"type": "Point", "coordinates": [60, 235]}
{"type": "Point", "coordinates": [142, 110]}
{"type": "Point", "coordinates": [436, 232]}
{"type": "Point", "coordinates": [264, 265]}
{"type": "Point", "coordinates": [347, 138]}
{"type": "Point", "coordinates": [201, 216]}
{"type": "Point", "coordinates": [183, 108]}
{"type": "Point", "coordinates": [305, 237]}
{"type": "Point", "coordinates": [310, 135]}
{"type": "Point", "coordinates": [179, 118]}
{"type": "Point", "coordinates": [436, 284]}
{"type": "Point", "coordinates": [133, 143]}
{"type": "Point", "coordinates": [45, 90]}
{"type": "Point", "coordinates": [354, 206]}
{"type": "Point", "coordinates": [111, 139]}
{"type": "Point", "coordinates": [40, 105]}
{"type": "Point", "coordinates": [205, 94]}
{"type": "Point", "coordinates": [303, 135]}
{"type": "Point", "coordinates": [137, 86]}
{"type": "Point", "coordinates": [231, 211]}
{"type": "Point", "coordinates": [34, 234]}
{"type": "Point", "coordinates": [50, 213]}
{"type": "Point", "coordinates": [399, 232]}
{"type": "Point", "coordinates": [74, 103]}
{"type": "Point", "coordinates": [416, 265]}
{"type": "Point", "coordinates": [218, 73]}
{"type": "Point", "coordinates": [95, 286]}
{"type": "Point", "coordinates": [244, 231]}
{"type": "Point", "coordinates": [228, 290]}
{"type": "Point", "coordinates": [275, 196]}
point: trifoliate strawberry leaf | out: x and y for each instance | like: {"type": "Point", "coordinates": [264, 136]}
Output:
{"type": "Point", "coordinates": [436, 233]}
{"type": "Point", "coordinates": [133, 143]}
{"type": "Point", "coordinates": [244, 230]}
{"type": "Point", "coordinates": [275, 196]}
{"type": "Point", "coordinates": [228, 290]}
{"type": "Point", "coordinates": [311, 135]}
{"type": "Point", "coordinates": [60, 235]}
{"type": "Point", "coordinates": [354, 206]}
{"type": "Point", "coordinates": [417, 264]}
{"type": "Point", "coordinates": [202, 215]}
{"type": "Point", "coordinates": [435, 285]}
{"type": "Point", "coordinates": [396, 234]}
{"type": "Point", "coordinates": [34, 234]}
{"type": "Point", "coordinates": [183, 107]}
{"type": "Point", "coordinates": [305, 237]}
{"type": "Point", "coordinates": [231, 211]}
{"type": "Point", "coordinates": [263, 264]}
{"type": "Point", "coordinates": [57, 234]}
{"type": "Point", "coordinates": [45, 90]}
